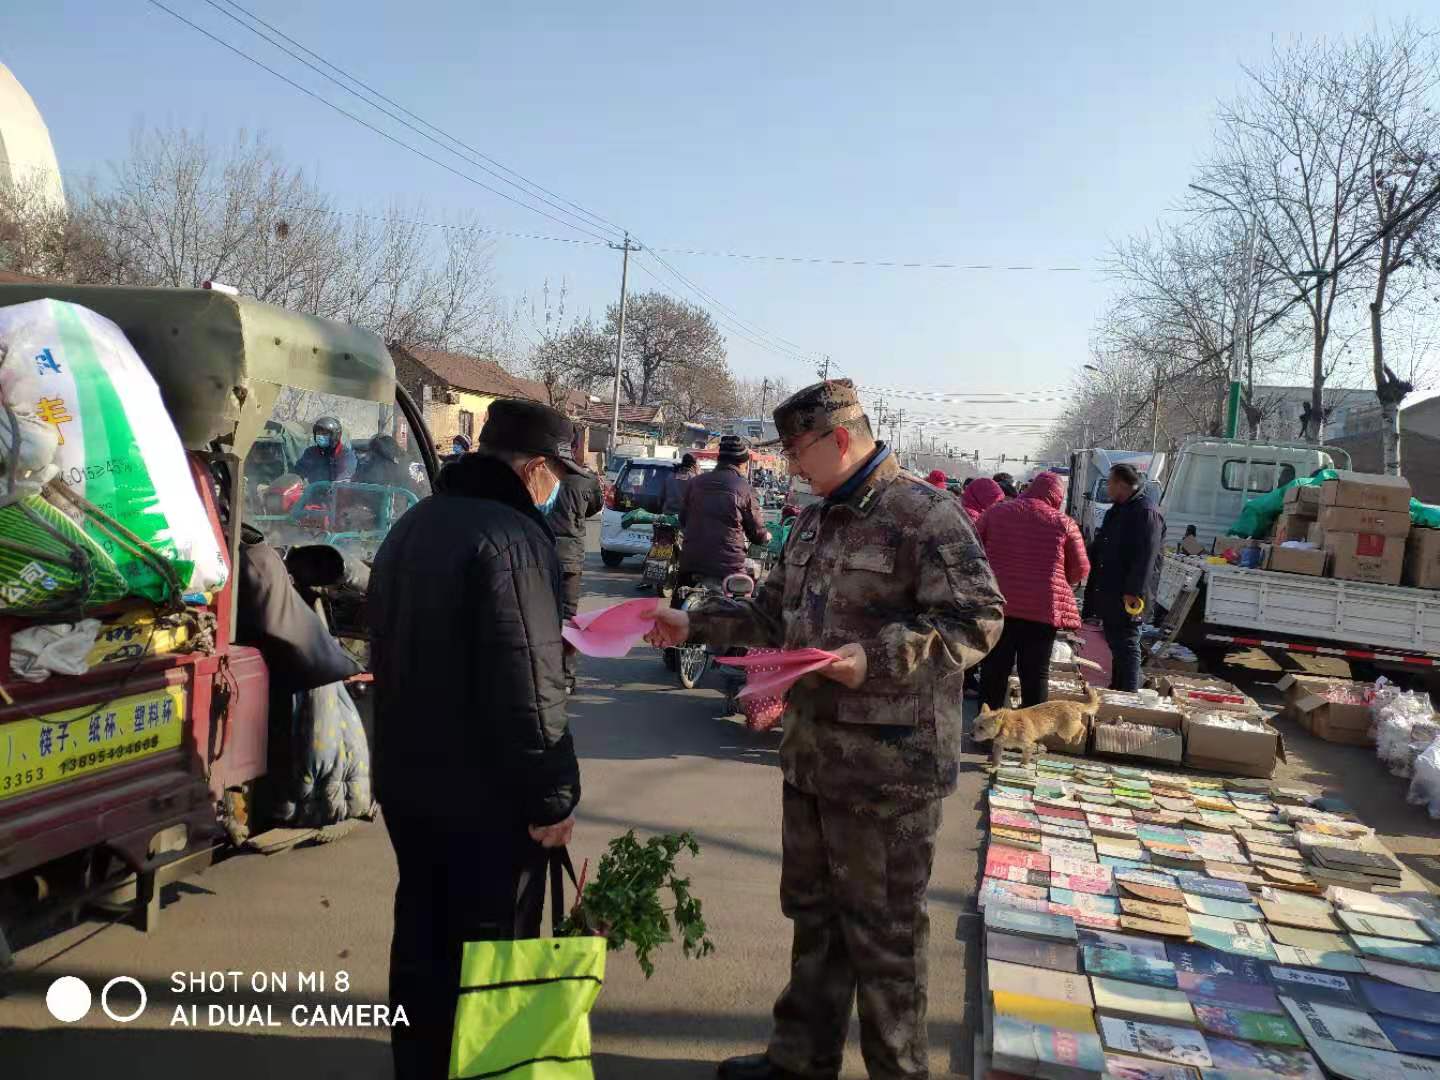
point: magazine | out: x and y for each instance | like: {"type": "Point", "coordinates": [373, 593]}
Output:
{"type": "Point", "coordinates": [1183, 1046]}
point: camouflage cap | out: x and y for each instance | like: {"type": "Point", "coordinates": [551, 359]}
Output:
{"type": "Point", "coordinates": [820, 407]}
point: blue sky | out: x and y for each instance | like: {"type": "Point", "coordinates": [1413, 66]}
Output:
{"type": "Point", "coordinates": [1023, 133]}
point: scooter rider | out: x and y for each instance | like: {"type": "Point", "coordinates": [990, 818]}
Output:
{"type": "Point", "coordinates": [721, 518]}
{"type": "Point", "coordinates": [330, 459]}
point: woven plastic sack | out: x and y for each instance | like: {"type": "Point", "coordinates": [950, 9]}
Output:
{"type": "Point", "coordinates": [53, 567]}
{"type": "Point", "coordinates": [117, 447]}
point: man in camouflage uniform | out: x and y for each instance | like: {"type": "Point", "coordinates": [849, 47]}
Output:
{"type": "Point", "coordinates": [887, 573]}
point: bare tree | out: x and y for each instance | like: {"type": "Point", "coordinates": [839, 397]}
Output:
{"type": "Point", "coordinates": [571, 360]}
{"type": "Point", "coordinates": [661, 334]}
{"type": "Point", "coordinates": [758, 397]}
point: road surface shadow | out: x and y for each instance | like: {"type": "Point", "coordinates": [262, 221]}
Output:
{"type": "Point", "coordinates": [625, 1067]}
{"type": "Point", "coordinates": [128, 1054]}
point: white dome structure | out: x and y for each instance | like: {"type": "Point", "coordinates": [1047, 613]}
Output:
{"type": "Point", "coordinates": [26, 153]}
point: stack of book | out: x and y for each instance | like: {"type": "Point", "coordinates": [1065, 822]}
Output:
{"type": "Point", "coordinates": [1148, 925]}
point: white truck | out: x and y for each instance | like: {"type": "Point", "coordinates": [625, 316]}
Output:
{"type": "Point", "coordinates": [1088, 494]}
{"type": "Point", "coordinates": [1230, 606]}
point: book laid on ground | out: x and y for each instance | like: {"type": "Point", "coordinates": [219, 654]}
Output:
{"type": "Point", "coordinates": [1395, 907]}
{"type": "Point", "coordinates": [998, 856]}
{"type": "Point", "coordinates": [1228, 993]}
{"type": "Point", "coordinates": [1167, 1042]}
{"type": "Point", "coordinates": [1136, 1001]}
{"type": "Point", "coordinates": [1043, 1012]}
{"type": "Point", "coordinates": [1125, 1067]}
{"type": "Point", "coordinates": [1231, 872]}
{"type": "Point", "coordinates": [1384, 926]}
{"type": "Point", "coordinates": [1121, 964]}
{"type": "Point", "coordinates": [1255, 1060]}
{"type": "Point", "coordinates": [1215, 888]}
{"type": "Point", "coordinates": [1155, 894]}
{"type": "Point", "coordinates": [1034, 924]}
{"type": "Point", "coordinates": [1282, 913]}
{"type": "Point", "coordinates": [1085, 901]}
{"type": "Point", "coordinates": [1319, 1021]}
{"type": "Point", "coordinates": [1411, 1036]}
{"type": "Point", "coordinates": [1014, 893]}
{"type": "Point", "coordinates": [1202, 961]}
{"type": "Point", "coordinates": [1400, 975]}
{"type": "Point", "coordinates": [1129, 943]}
{"type": "Point", "coordinates": [1063, 986]}
{"type": "Point", "coordinates": [1314, 940]}
{"type": "Point", "coordinates": [1309, 958]}
{"type": "Point", "coordinates": [1240, 911]}
{"type": "Point", "coordinates": [1032, 951]}
{"type": "Point", "coordinates": [1033, 1050]}
{"type": "Point", "coordinates": [1303, 984]}
{"type": "Point", "coordinates": [1359, 1063]}
{"type": "Point", "coordinates": [1145, 909]}
{"type": "Point", "coordinates": [1016, 839]}
{"type": "Point", "coordinates": [1398, 952]}
{"type": "Point", "coordinates": [1250, 1026]}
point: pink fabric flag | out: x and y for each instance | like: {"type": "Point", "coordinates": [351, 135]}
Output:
{"type": "Point", "coordinates": [614, 630]}
{"type": "Point", "coordinates": [769, 674]}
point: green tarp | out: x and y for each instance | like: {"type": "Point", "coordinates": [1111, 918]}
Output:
{"type": "Point", "coordinates": [1257, 519]}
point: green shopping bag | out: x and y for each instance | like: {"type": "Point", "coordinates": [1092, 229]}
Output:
{"type": "Point", "coordinates": [524, 1008]}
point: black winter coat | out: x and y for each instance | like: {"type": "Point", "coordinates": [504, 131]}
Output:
{"type": "Point", "coordinates": [580, 498]}
{"type": "Point", "coordinates": [464, 612]}
{"type": "Point", "coordinates": [1124, 556]}
{"type": "Point", "coordinates": [720, 515]}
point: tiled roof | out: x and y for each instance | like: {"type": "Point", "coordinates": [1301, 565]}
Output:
{"type": "Point", "coordinates": [602, 412]}
{"type": "Point", "coordinates": [486, 377]}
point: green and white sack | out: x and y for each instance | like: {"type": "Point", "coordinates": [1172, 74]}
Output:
{"type": "Point", "coordinates": [117, 446]}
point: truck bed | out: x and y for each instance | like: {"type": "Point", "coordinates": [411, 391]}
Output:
{"type": "Point", "coordinates": [1294, 605]}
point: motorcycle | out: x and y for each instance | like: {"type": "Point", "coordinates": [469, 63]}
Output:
{"type": "Point", "coordinates": [690, 662]}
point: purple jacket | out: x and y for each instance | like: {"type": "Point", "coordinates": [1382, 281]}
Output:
{"type": "Point", "coordinates": [719, 515]}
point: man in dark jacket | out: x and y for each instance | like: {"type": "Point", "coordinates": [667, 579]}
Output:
{"type": "Point", "coordinates": [330, 458]}
{"type": "Point", "coordinates": [677, 484]}
{"type": "Point", "coordinates": [579, 498]}
{"type": "Point", "coordinates": [385, 465]}
{"type": "Point", "coordinates": [1122, 565]}
{"type": "Point", "coordinates": [474, 763]}
{"type": "Point", "coordinates": [721, 517]}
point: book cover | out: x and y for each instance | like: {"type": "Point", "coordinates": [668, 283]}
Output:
{"type": "Point", "coordinates": [1030, 1050]}
{"type": "Point", "coordinates": [1161, 878]}
{"type": "Point", "coordinates": [1119, 848]}
{"type": "Point", "coordinates": [1019, 875]}
{"type": "Point", "coordinates": [1359, 1063]}
{"type": "Point", "coordinates": [1411, 1036]}
{"type": "Point", "coordinates": [1030, 924]}
{"type": "Point", "coordinates": [1400, 975]}
{"type": "Point", "coordinates": [1314, 940]}
{"type": "Point", "coordinates": [1066, 832]}
{"type": "Point", "coordinates": [1393, 907]}
{"type": "Point", "coordinates": [1012, 819]}
{"type": "Point", "coordinates": [1250, 1026]}
{"type": "Point", "coordinates": [1065, 864]}
{"type": "Point", "coordinates": [1095, 920]}
{"type": "Point", "coordinates": [1329, 961]}
{"type": "Point", "coordinates": [1154, 894]}
{"type": "Point", "coordinates": [1183, 1046]}
{"type": "Point", "coordinates": [1317, 1020]}
{"type": "Point", "coordinates": [998, 856]}
{"type": "Point", "coordinates": [1400, 1001]}
{"type": "Point", "coordinates": [1281, 913]}
{"type": "Point", "coordinates": [997, 891]}
{"type": "Point", "coordinates": [1223, 909]}
{"type": "Point", "coordinates": [1384, 926]}
{"type": "Point", "coordinates": [1399, 952]}
{"type": "Point", "coordinates": [1163, 835]}
{"type": "Point", "coordinates": [1031, 951]}
{"type": "Point", "coordinates": [1149, 1003]}
{"type": "Point", "coordinates": [1069, 987]}
{"type": "Point", "coordinates": [1015, 838]}
{"type": "Point", "coordinates": [1043, 1012]}
{"type": "Point", "coordinates": [1202, 961]}
{"type": "Point", "coordinates": [1230, 926]}
{"type": "Point", "coordinates": [1256, 1060]}
{"type": "Point", "coordinates": [1304, 984]}
{"type": "Point", "coordinates": [1074, 849]}
{"type": "Point", "coordinates": [1214, 888]}
{"type": "Point", "coordinates": [1128, 943]}
{"type": "Point", "coordinates": [1124, 1067]}
{"type": "Point", "coordinates": [1147, 909]}
{"type": "Point", "coordinates": [1114, 862]}
{"type": "Point", "coordinates": [1082, 883]}
{"type": "Point", "coordinates": [1227, 992]}
{"type": "Point", "coordinates": [1122, 964]}
{"type": "Point", "coordinates": [1235, 944]}
{"type": "Point", "coordinates": [1141, 925]}
{"type": "Point", "coordinates": [1085, 901]}
{"type": "Point", "coordinates": [1230, 872]}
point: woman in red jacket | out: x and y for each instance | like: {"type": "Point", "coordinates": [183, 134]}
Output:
{"type": "Point", "coordinates": [1038, 557]}
{"type": "Point", "coordinates": [979, 495]}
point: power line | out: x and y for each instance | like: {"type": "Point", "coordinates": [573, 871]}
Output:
{"type": "Point", "coordinates": [595, 221]}
{"type": "Point", "coordinates": [365, 123]}
{"type": "Point", "coordinates": [889, 264]}
{"type": "Point", "coordinates": [596, 218]}
{"type": "Point", "coordinates": [489, 229]}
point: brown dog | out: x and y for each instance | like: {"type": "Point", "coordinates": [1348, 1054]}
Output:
{"type": "Point", "coordinates": [1022, 729]}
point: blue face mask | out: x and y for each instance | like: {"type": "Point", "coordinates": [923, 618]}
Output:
{"type": "Point", "coordinates": [549, 503]}
{"type": "Point", "coordinates": [322, 441]}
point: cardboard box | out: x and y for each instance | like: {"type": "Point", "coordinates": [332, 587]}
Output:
{"type": "Point", "coordinates": [1316, 535]}
{"type": "Point", "coordinates": [1210, 699]}
{"type": "Point", "coordinates": [1251, 752]}
{"type": "Point", "coordinates": [1062, 688]}
{"type": "Point", "coordinates": [1343, 721]}
{"type": "Point", "coordinates": [1168, 684]}
{"type": "Point", "coordinates": [1291, 560]}
{"type": "Point", "coordinates": [1369, 491]}
{"type": "Point", "coordinates": [1153, 743]}
{"type": "Point", "coordinates": [1422, 559]}
{"type": "Point", "coordinates": [1369, 557]}
{"type": "Point", "coordinates": [1358, 520]}
{"type": "Point", "coordinates": [1120, 705]}
{"type": "Point", "coordinates": [1290, 526]}
{"type": "Point", "coordinates": [1304, 499]}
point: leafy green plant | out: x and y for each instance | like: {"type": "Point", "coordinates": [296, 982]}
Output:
{"type": "Point", "coordinates": [624, 902]}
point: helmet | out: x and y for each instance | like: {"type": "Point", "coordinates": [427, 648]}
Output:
{"type": "Point", "coordinates": [327, 432]}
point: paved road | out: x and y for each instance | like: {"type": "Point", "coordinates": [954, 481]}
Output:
{"type": "Point", "coordinates": [655, 758]}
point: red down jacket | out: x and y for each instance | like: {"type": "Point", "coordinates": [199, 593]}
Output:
{"type": "Point", "coordinates": [1037, 554]}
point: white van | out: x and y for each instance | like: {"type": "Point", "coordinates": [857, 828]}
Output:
{"type": "Point", "coordinates": [1212, 479]}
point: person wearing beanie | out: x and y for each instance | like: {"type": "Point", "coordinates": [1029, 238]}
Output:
{"type": "Point", "coordinates": [937, 479]}
{"type": "Point", "coordinates": [721, 517]}
{"type": "Point", "coordinates": [979, 495]}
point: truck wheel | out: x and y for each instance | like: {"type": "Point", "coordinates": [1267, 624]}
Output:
{"type": "Point", "coordinates": [612, 559]}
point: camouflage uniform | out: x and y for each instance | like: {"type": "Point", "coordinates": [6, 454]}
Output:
{"type": "Point", "coordinates": [895, 567]}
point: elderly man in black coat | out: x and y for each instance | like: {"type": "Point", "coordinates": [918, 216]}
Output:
{"type": "Point", "coordinates": [474, 763]}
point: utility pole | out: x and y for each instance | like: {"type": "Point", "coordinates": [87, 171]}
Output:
{"type": "Point", "coordinates": [764, 397]}
{"type": "Point", "coordinates": [899, 427]}
{"type": "Point", "coordinates": [823, 368]}
{"type": "Point", "coordinates": [627, 247]}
